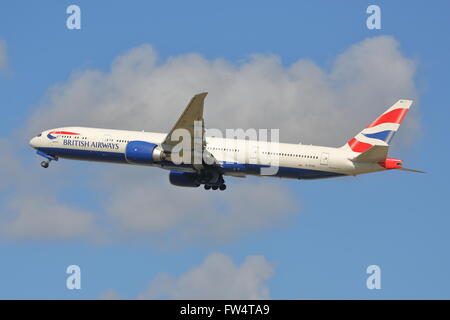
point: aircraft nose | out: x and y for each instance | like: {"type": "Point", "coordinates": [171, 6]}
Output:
{"type": "Point", "coordinates": [33, 142]}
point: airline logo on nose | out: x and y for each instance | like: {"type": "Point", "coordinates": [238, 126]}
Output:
{"type": "Point", "coordinates": [52, 134]}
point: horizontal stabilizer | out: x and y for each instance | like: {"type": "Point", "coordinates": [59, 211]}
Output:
{"type": "Point", "coordinates": [373, 154]}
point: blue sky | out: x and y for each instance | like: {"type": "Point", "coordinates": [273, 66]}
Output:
{"type": "Point", "coordinates": [334, 228]}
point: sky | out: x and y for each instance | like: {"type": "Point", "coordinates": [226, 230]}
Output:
{"type": "Point", "coordinates": [311, 69]}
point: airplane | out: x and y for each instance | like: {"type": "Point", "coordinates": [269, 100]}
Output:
{"type": "Point", "coordinates": [365, 153]}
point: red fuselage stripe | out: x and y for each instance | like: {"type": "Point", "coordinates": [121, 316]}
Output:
{"type": "Point", "coordinates": [64, 132]}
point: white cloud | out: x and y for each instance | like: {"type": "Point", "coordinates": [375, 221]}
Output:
{"type": "Point", "coordinates": [34, 216]}
{"type": "Point", "coordinates": [9, 166]}
{"type": "Point", "coordinates": [28, 206]}
{"type": "Point", "coordinates": [308, 103]}
{"type": "Point", "coordinates": [3, 56]}
{"type": "Point", "coordinates": [150, 205]}
{"type": "Point", "coordinates": [110, 294]}
{"type": "Point", "coordinates": [139, 203]}
{"type": "Point", "coordinates": [218, 277]}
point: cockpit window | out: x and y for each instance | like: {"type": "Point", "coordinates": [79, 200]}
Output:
{"type": "Point", "coordinates": [40, 134]}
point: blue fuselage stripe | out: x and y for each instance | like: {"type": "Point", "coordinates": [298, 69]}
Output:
{"type": "Point", "coordinates": [282, 172]}
{"type": "Point", "coordinates": [88, 155]}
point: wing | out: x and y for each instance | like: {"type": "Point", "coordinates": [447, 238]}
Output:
{"type": "Point", "coordinates": [190, 125]}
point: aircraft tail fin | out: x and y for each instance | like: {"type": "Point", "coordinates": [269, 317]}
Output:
{"type": "Point", "coordinates": [381, 131]}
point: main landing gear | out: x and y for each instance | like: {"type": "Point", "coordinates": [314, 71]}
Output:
{"type": "Point", "coordinates": [215, 187]}
{"type": "Point", "coordinates": [212, 179]}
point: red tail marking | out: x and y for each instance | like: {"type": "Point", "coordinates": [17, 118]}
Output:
{"type": "Point", "coordinates": [394, 116]}
{"type": "Point", "coordinates": [358, 146]}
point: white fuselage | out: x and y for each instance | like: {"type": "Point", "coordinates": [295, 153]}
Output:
{"type": "Point", "coordinates": [239, 157]}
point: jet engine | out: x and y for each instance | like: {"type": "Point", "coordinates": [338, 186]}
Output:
{"type": "Point", "coordinates": [141, 152]}
{"type": "Point", "coordinates": [184, 179]}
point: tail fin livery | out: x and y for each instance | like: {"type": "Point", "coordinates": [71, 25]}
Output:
{"type": "Point", "coordinates": [381, 131]}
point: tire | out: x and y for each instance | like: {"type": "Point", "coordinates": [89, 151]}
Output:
{"type": "Point", "coordinates": [222, 187]}
{"type": "Point", "coordinates": [44, 164]}
{"type": "Point", "coordinates": [215, 187]}
{"type": "Point", "coordinates": [207, 187]}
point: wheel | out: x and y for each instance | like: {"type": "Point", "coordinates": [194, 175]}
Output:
{"type": "Point", "coordinates": [215, 187]}
{"type": "Point", "coordinates": [222, 187]}
{"type": "Point", "coordinates": [44, 164]}
{"type": "Point", "coordinates": [207, 187]}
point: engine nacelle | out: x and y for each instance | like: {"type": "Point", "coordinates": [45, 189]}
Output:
{"type": "Point", "coordinates": [141, 152]}
{"type": "Point", "coordinates": [184, 179]}
{"type": "Point", "coordinates": [391, 163]}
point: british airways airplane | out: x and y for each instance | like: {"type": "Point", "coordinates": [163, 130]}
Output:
{"type": "Point", "coordinates": [366, 152]}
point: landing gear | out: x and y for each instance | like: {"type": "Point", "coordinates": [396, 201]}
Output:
{"type": "Point", "coordinates": [45, 163]}
{"type": "Point", "coordinates": [212, 180]}
{"type": "Point", "coordinates": [221, 187]}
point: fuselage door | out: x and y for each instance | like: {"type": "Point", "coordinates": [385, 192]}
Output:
{"type": "Point", "coordinates": [253, 151]}
{"type": "Point", "coordinates": [324, 158]}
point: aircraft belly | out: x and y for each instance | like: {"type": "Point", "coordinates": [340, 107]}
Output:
{"type": "Point", "coordinates": [281, 172]}
{"type": "Point", "coordinates": [86, 155]}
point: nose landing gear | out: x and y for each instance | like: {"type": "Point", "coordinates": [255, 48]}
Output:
{"type": "Point", "coordinates": [46, 163]}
